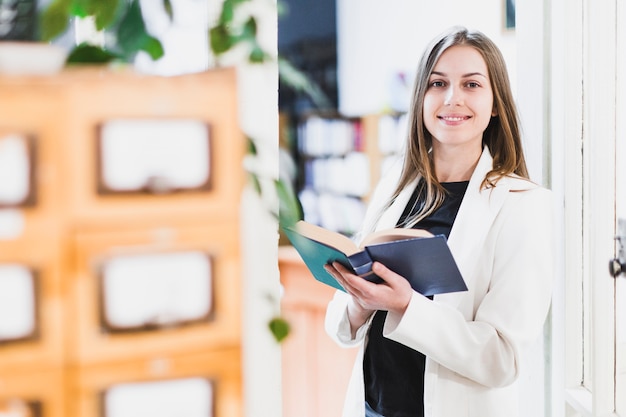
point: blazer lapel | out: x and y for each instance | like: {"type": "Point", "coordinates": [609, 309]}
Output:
{"type": "Point", "coordinates": [391, 216]}
{"type": "Point", "coordinates": [474, 219]}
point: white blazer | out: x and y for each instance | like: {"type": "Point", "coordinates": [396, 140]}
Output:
{"type": "Point", "coordinates": [473, 341]}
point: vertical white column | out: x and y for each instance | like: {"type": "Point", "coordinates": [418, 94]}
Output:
{"type": "Point", "coordinates": [258, 109]}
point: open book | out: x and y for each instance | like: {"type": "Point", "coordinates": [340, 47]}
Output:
{"type": "Point", "coordinates": [423, 259]}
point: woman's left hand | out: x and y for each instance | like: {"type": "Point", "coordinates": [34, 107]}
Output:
{"type": "Point", "coordinates": [392, 295]}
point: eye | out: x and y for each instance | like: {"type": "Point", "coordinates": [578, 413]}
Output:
{"type": "Point", "coordinates": [473, 84]}
{"type": "Point", "coordinates": [437, 83]}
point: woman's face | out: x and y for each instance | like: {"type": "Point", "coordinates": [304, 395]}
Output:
{"type": "Point", "coordinates": [458, 103]}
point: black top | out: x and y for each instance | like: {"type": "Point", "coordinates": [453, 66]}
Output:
{"type": "Point", "coordinates": [394, 373]}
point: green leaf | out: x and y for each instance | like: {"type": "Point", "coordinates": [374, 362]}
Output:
{"type": "Point", "coordinates": [220, 40]}
{"type": "Point", "coordinates": [132, 29]}
{"type": "Point", "coordinates": [282, 8]}
{"type": "Point", "coordinates": [256, 184]}
{"type": "Point", "coordinates": [80, 8]}
{"type": "Point", "coordinates": [249, 30]}
{"type": "Point", "coordinates": [280, 328]}
{"type": "Point", "coordinates": [228, 12]}
{"type": "Point", "coordinates": [104, 12]}
{"type": "Point", "coordinates": [54, 20]}
{"type": "Point", "coordinates": [133, 37]}
{"type": "Point", "coordinates": [257, 55]}
{"type": "Point", "coordinates": [290, 210]}
{"type": "Point", "coordinates": [252, 150]}
{"type": "Point", "coordinates": [153, 47]}
{"type": "Point", "coordinates": [167, 5]}
{"type": "Point", "coordinates": [90, 54]}
{"type": "Point", "coordinates": [223, 37]}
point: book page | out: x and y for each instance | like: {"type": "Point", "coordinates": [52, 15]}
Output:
{"type": "Point", "coordinates": [327, 237]}
{"type": "Point", "coordinates": [389, 235]}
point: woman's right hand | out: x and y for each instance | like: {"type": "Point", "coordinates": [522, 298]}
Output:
{"type": "Point", "coordinates": [357, 312]}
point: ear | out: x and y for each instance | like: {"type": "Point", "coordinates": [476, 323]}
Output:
{"type": "Point", "coordinates": [494, 112]}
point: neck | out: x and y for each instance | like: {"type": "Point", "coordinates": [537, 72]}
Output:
{"type": "Point", "coordinates": [453, 165]}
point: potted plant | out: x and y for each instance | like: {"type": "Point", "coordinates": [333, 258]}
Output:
{"type": "Point", "coordinates": [121, 20]}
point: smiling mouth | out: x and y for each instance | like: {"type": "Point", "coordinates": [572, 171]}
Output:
{"type": "Point", "coordinates": [453, 118]}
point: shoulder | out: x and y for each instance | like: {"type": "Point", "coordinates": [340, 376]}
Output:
{"type": "Point", "coordinates": [523, 195]}
{"type": "Point", "coordinates": [525, 198]}
{"type": "Point", "coordinates": [516, 184]}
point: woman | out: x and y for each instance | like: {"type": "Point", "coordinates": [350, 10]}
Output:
{"type": "Point", "coordinates": [464, 176]}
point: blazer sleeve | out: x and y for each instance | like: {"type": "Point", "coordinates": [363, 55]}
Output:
{"type": "Point", "coordinates": [337, 324]}
{"type": "Point", "coordinates": [486, 347]}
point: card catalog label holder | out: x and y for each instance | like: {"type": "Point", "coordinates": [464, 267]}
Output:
{"type": "Point", "coordinates": [155, 290]}
{"type": "Point", "coordinates": [20, 407]}
{"type": "Point", "coordinates": [19, 299]}
{"type": "Point", "coordinates": [161, 398]}
{"type": "Point", "coordinates": [153, 156]}
{"type": "Point", "coordinates": [17, 170]}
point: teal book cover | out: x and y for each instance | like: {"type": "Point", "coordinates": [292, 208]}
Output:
{"type": "Point", "coordinates": [315, 255]}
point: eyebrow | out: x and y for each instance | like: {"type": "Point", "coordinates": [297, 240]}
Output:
{"type": "Point", "coordinates": [469, 74]}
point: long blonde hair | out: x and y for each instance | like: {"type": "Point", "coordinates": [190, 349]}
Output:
{"type": "Point", "coordinates": [502, 136]}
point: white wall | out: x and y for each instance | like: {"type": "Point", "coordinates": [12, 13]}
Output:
{"type": "Point", "coordinates": [376, 40]}
{"type": "Point", "coordinates": [532, 89]}
{"type": "Point", "coordinates": [532, 51]}
{"type": "Point", "coordinates": [258, 110]}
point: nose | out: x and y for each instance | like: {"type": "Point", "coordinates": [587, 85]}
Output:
{"type": "Point", "coordinates": [453, 96]}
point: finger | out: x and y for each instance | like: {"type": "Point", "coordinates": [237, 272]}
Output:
{"type": "Point", "coordinates": [335, 274]}
{"type": "Point", "coordinates": [355, 281]}
{"type": "Point", "coordinates": [347, 279]}
{"type": "Point", "coordinates": [387, 275]}
{"type": "Point", "coordinates": [365, 291]}
{"type": "Point", "coordinates": [341, 275]}
{"type": "Point", "coordinates": [341, 268]}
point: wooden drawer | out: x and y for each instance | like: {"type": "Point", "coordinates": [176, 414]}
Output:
{"type": "Point", "coordinates": [97, 254]}
{"type": "Point", "coordinates": [32, 307]}
{"type": "Point", "coordinates": [93, 387]}
{"type": "Point", "coordinates": [147, 103]}
{"type": "Point", "coordinates": [30, 197]}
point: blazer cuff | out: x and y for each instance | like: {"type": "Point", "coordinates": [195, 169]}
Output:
{"type": "Point", "coordinates": [395, 322]}
{"type": "Point", "coordinates": [337, 323]}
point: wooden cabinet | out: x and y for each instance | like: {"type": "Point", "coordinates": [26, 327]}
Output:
{"type": "Point", "coordinates": [107, 204]}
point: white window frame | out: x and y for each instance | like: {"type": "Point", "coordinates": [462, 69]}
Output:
{"type": "Point", "coordinates": [583, 165]}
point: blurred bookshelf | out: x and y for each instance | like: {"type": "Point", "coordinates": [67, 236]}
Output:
{"type": "Point", "coordinates": [340, 161]}
{"type": "Point", "coordinates": [334, 171]}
